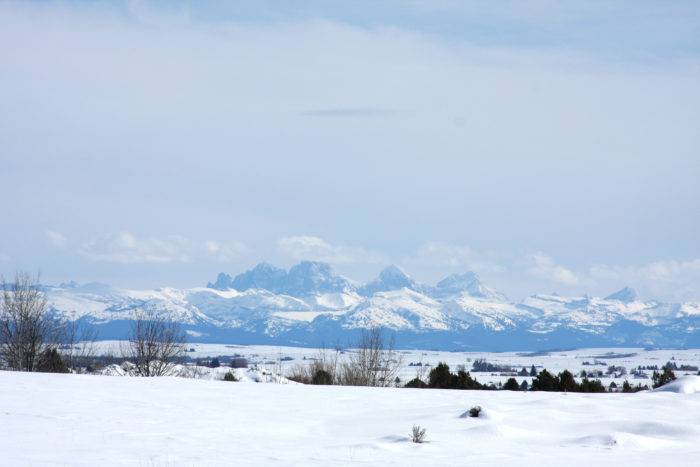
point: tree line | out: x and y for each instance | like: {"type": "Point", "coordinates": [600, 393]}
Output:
{"type": "Point", "coordinates": [32, 339]}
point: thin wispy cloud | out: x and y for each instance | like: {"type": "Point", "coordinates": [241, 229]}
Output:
{"type": "Point", "coordinates": [358, 112]}
{"type": "Point", "coordinates": [306, 247]}
{"type": "Point", "coordinates": [125, 247]}
{"type": "Point", "coordinates": [545, 267]}
{"type": "Point", "coordinates": [56, 239]}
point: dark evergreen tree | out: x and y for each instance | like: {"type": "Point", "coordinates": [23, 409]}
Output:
{"type": "Point", "coordinates": [214, 363]}
{"type": "Point", "coordinates": [50, 361]}
{"type": "Point", "coordinates": [545, 381]}
{"type": "Point", "coordinates": [416, 383]}
{"type": "Point", "coordinates": [524, 386]}
{"type": "Point", "coordinates": [666, 376]}
{"type": "Point", "coordinates": [440, 376]}
{"type": "Point", "coordinates": [533, 371]}
{"type": "Point", "coordinates": [595, 385]}
{"type": "Point", "coordinates": [567, 383]}
{"type": "Point", "coordinates": [511, 385]}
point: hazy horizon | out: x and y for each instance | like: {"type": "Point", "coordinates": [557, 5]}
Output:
{"type": "Point", "coordinates": [547, 146]}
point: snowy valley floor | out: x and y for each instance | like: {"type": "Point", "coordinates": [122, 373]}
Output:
{"type": "Point", "coordinates": [50, 419]}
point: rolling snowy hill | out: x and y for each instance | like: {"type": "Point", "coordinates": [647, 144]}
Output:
{"type": "Point", "coordinates": [52, 419]}
{"type": "Point", "coordinates": [312, 305]}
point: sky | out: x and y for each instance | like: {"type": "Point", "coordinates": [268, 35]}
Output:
{"type": "Point", "coordinates": [549, 146]}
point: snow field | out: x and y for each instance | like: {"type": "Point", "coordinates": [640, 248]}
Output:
{"type": "Point", "coordinates": [52, 419]}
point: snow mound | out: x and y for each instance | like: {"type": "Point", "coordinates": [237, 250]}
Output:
{"type": "Point", "coordinates": [684, 385]}
{"type": "Point", "coordinates": [246, 375]}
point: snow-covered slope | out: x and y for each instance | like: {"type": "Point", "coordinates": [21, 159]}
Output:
{"type": "Point", "coordinates": [390, 278]}
{"type": "Point", "coordinates": [80, 420]}
{"type": "Point", "coordinates": [689, 384]}
{"type": "Point", "coordinates": [312, 305]}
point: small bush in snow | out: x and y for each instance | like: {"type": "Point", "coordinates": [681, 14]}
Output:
{"type": "Point", "coordinates": [322, 377]}
{"type": "Point", "coordinates": [239, 362]}
{"type": "Point", "coordinates": [50, 361]}
{"type": "Point", "coordinates": [418, 434]}
{"type": "Point", "coordinates": [416, 383]}
{"type": "Point", "coordinates": [230, 377]}
{"type": "Point", "coordinates": [475, 411]}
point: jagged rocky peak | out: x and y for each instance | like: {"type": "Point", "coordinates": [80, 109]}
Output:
{"type": "Point", "coordinates": [95, 288]}
{"type": "Point", "coordinates": [390, 278]}
{"type": "Point", "coordinates": [625, 295]}
{"type": "Point", "coordinates": [223, 282]}
{"type": "Point", "coordinates": [470, 283]}
{"type": "Point", "coordinates": [303, 279]}
{"type": "Point", "coordinates": [312, 277]}
{"type": "Point", "coordinates": [262, 276]}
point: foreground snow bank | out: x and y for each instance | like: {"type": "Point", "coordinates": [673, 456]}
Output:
{"type": "Point", "coordinates": [99, 420]}
{"type": "Point", "coordinates": [684, 385]}
{"type": "Point", "coordinates": [246, 375]}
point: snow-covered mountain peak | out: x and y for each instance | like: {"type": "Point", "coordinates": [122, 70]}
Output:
{"type": "Point", "coordinates": [390, 278]}
{"type": "Point", "coordinates": [305, 278]}
{"type": "Point", "coordinates": [469, 283]}
{"type": "Point", "coordinates": [311, 304]}
{"type": "Point", "coordinates": [624, 295]}
{"type": "Point", "coordinates": [313, 277]}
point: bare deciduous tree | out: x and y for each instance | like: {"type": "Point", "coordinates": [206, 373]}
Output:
{"type": "Point", "coordinates": [155, 342]}
{"type": "Point", "coordinates": [373, 363]}
{"type": "Point", "coordinates": [26, 330]}
{"type": "Point", "coordinates": [324, 362]}
{"type": "Point", "coordinates": [78, 346]}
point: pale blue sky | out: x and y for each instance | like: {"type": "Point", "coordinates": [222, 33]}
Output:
{"type": "Point", "coordinates": [546, 145]}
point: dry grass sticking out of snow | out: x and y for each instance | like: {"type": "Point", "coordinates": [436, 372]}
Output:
{"type": "Point", "coordinates": [247, 375]}
{"type": "Point", "coordinates": [101, 420]}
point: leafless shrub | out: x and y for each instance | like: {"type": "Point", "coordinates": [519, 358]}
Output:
{"type": "Point", "coordinates": [154, 344]}
{"type": "Point", "coordinates": [373, 363]}
{"type": "Point", "coordinates": [239, 362]}
{"type": "Point", "coordinates": [194, 372]}
{"type": "Point", "coordinates": [418, 434]}
{"type": "Point", "coordinates": [322, 370]}
{"type": "Point", "coordinates": [475, 411]}
{"type": "Point", "coordinates": [26, 330]}
{"type": "Point", "coordinates": [78, 344]}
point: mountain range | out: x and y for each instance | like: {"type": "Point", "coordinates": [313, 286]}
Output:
{"type": "Point", "coordinates": [311, 305]}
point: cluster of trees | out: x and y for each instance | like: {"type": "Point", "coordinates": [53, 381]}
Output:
{"type": "Point", "coordinates": [524, 371]}
{"type": "Point", "coordinates": [371, 362]}
{"type": "Point", "coordinates": [441, 377]}
{"type": "Point", "coordinates": [658, 379]}
{"type": "Point", "coordinates": [682, 367]}
{"type": "Point", "coordinates": [31, 339]}
{"type": "Point", "coordinates": [564, 382]}
{"type": "Point", "coordinates": [481, 365]}
{"type": "Point", "coordinates": [216, 362]}
{"type": "Point", "coordinates": [627, 387]}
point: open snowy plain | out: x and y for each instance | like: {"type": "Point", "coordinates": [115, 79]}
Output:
{"type": "Point", "coordinates": [49, 419]}
{"type": "Point", "coordinates": [276, 358]}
